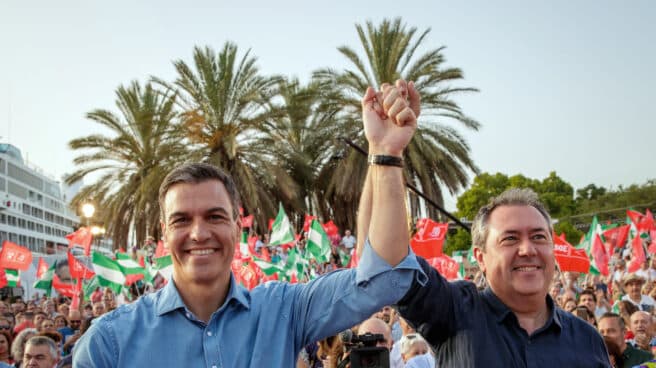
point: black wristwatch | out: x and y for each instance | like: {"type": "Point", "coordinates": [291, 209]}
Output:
{"type": "Point", "coordinates": [385, 160]}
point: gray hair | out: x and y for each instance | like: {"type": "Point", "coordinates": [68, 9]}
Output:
{"type": "Point", "coordinates": [510, 197]}
{"type": "Point", "coordinates": [43, 341]}
{"type": "Point", "coordinates": [410, 340]}
{"type": "Point", "coordinates": [195, 173]}
{"type": "Point", "coordinates": [18, 345]}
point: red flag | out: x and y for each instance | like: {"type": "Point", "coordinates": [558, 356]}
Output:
{"type": "Point", "coordinates": [252, 241]}
{"type": "Point", "coordinates": [265, 254]}
{"type": "Point", "coordinates": [63, 288]}
{"type": "Point", "coordinates": [121, 250]}
{"type": "Point", "coordinates": [161, 251]}
{"type": "Point", "coordinates": [445, 265]}
{"type": "Point", "coordinates": [428, 241]}
{"type": "Point", "coordinates": [41, 268]}
{"type": "Point", "coordinates": [421, 223]}
{"type": "Point", "coordinates": [15, 257]}
{"type": "Point", "coordinates": [330, 228]}
{"type": "Point", "coordinates": [598, 253]}
{"type": "Point", "coordinates": [616, 237]}
{"type": "Point", "coordinates": [307, 222]}
{"type": "Point", "coordinates": [293, 279]}
{"type": "Point", "coordinates": [142, 261]}
{"type": "Point", "coordinates": [247, 221]}
{"type": "Point", "coordinates": [270, 224]}
{"type": "Point", "coordinates": [353, 262]}
{"type": "Point", "coordinates": [652, 246]}
{"type": "Point", "coordinates": [131, 279]}
{"type": "Point", "coordinates": [81, 238]}
{"type": "Point", "coordinates": [568, 257]}
{"type": "Point", "coordinates": [78, 269]}
{"type": "Point", "coordinates": [3, 278]}
{"type": "Point", "coordinates": [635, 216]}
{"type": "Point", "coordinates": [637, 255]}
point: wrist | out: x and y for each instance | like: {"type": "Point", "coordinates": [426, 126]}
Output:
{"type": "Point", "coordinates": [385, 160]}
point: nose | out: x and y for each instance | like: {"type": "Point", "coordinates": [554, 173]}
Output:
{"type": "Point", "coordinates": [527, 248]}
{"type": "Point", "coordinates": [199, 231]}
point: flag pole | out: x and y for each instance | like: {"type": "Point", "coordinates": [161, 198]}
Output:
{"type": "Point", "coordinates": [415, 190]}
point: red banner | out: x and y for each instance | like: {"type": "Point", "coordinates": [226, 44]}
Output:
{"type": "Point", "coordinates": [445, 265]}
{"type": "Point", "coordinates": [569, 258]}
{"type": "Point", "coordinates": [63, 288]}
{"type": "Point", "coordinates": [15, 257]}
{"type": "Point", "coordinates": [78, 269]}
{"type": "Point", "coordinates": [41, 268]}
{"type": "Point", "coordinates": [637, 256]}
{"type": "Point", "coordinates": [429, 239]}
{"type": "Point", "coordinates": [247, 221]}
{"type": "Point", "coordinates": [81, 238]}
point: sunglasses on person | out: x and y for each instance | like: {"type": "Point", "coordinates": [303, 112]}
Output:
{"type": "Point", "coordinates": [75, 321]}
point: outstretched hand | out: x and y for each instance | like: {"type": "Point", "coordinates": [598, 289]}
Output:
{"type": "Point", "coordinates": [390, 117]}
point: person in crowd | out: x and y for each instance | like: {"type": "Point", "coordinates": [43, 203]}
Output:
{"type": "Point", "coordinates": [646, 272]}
{"type": "Point", "coordinates": [18, 345]}
{"type": "Point", "coordinates": [99, 309]}
{"type": "Point", "coordinates": [585, 314]}
{"type": "Point", "coordinates": [395, 354]}
{"type": "Point", "coordinates": [5, 347]}
{"type": "Point", "coordinates": [641, 325]}
{"type": "Point", "coordinates": [203, 306]}
{"type": "Point", "coordinates": [588, 299]}
{"type": "Point", "coordinates": [513, 245]}
{"type": "Point", "coordinates": [73, 325]}
{"type": "Point", "coordinates": [40, 352]}
{"type": "Point", "coordinates": [60, 322]}
{"type": "Point", "coordinates": [46, 325]}
{"type": "Point", "coordinates": [63, 309]}
{"type": "Point", "coordinates": [633, 288]}
{"type": "Point", "coordinates": [413, 345]}
{"type": "Point", "coordinates": [612, 327]}
{"type": "Point", "coordinates": [603, 306]}
{"type": "Point", "coordinates": [348, 241]}
{"type": "Point", "coordinates": [614, 353]}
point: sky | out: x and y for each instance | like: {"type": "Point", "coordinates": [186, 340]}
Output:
{"type": "Point", "coordinates": [565, 86]}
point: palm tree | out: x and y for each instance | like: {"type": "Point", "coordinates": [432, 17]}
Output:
{"type": "Point", "coordinates": [225, 101]}
{"type": "Point", "coordinates": [438, 156]}
{"type": "Point", "coordinates": [301, 137]}
{"type": "Point", "coordinates": [131, 161]}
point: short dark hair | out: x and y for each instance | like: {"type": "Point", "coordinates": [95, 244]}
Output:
{"type": "Point", "coordinates": [588, 291]}
{"type": "Point", "coordinates": [195, 173]}
{"type": "Point", "coordinates": [616, 316]}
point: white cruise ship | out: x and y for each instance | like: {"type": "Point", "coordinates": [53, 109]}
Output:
{"type": "Point", "coordinates": [33, 212]}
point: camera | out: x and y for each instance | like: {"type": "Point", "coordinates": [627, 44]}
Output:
{"type": "Point", "coordinates": [362, 351]}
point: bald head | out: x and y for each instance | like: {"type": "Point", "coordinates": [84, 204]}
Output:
{"type": "Point", "coordinates": [377, 326]}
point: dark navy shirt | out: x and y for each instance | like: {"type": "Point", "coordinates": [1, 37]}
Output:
{"type": "Point", "coordinates": [472, 328]}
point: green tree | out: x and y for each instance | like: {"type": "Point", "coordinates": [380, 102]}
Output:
{"type": "Point", "coordinates": [130, 161]}
{"type": "Point", "coordinates": [438, 157]}
{"type": "Point", "coordinates": [459, 240]}
{"type": "Point", "coordinates": [572, 234]}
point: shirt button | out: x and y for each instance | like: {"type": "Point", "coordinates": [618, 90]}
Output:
{"type": "Point", "coordinates": [209, 333]}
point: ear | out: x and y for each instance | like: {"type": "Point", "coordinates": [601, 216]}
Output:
{"type": "Point", "coordinates": [478, 254]}
{"type": "Point", "coordinates": [163, 226]}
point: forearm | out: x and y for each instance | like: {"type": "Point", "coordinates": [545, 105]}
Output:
{"type": "Point", "coordinates": [388, 230]}
{"type": "Point", "coordinates": [364, 214]}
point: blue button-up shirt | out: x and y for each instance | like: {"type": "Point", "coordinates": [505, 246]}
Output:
{"type": "Point", "coordinates": [474, 328]}
{"type": "Point", "coordinates": [266, 327]}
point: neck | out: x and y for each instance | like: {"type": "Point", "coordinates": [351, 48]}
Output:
{"type": "Point", "coordinates": [531, 312]}
{"type": "Point", "coordinates": [204, 299]}
{"type": "Point", "coordinates": [4, 356]}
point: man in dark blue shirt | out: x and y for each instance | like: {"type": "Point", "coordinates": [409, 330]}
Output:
{"type": "Point", "coordinates": [513, 322]}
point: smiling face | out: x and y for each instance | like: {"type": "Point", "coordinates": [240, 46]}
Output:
{"type": "Point", "coordinates": [518, 259]}
{"type": "Point", "coordinates": [200, 231]}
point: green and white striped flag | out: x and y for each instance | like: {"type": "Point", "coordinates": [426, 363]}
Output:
{"type": "Point", "coordinates": [318, 243]}
{"type": "Point", "coordinates": [45, 282]}
{"type": "Point", "coordinates": [13, 277]}
{"type": "Point", "coordinates": [90, 286]}
{"type": "Point", "coordinates": [108, 271]}
{"type": "Point", "coordinates": [164, 265]}
{"type": "Point", "coordinates": [267, 268]}
{"type": "Point", "coordinates": [281, 230]}
{"type": "Point", "coordinates": [295, 264]}
{"type": "Point", "coordinates": [128, 265]}
{"type": "Point", "coordinates": [243, 244]}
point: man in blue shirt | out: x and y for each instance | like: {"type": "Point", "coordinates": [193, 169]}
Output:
{"type": "Point", "coordinates": [512, 323]}
{"type": "Point", "coordinates": [203, 319]}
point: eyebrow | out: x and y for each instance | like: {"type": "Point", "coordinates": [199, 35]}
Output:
{"type": "Point", "coordinates": [209, 210]}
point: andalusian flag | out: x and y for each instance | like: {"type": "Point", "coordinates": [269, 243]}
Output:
{"type": "Point", "coordinates": [281, 230]}
{"type": "Point", "coordinates": [164, 265]}
{"type": "Point", "coordinates": [267, 268]}
{"type": "Point", "coordinates": [593, 243]}
{"type": "Point", "coordinates": [128, 265]}
{"type": "Point", "coordinates": [318, 243]}
{"type": "Point", "coordinates": [108, 271]}
{"type": "Point", "coordinates": [13, 277]}
{"type": "Point", "coordinates": [243, 244]}
{"type": "Point", "coordinates": [44, 278]}
{"type": "Point", "coordinates": [90, 286]}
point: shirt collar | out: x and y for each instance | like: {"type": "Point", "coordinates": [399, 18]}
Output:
{"type": "Point", "coordinates": [170, 300]}
{"type": "Point", "coordinates": [501, 311]}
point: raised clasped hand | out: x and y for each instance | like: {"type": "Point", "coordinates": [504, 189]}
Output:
{"type": "Point", "coordinates": [390, 117]}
